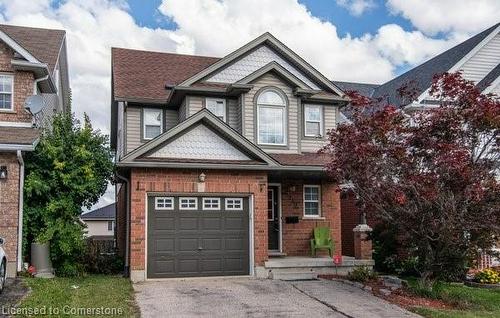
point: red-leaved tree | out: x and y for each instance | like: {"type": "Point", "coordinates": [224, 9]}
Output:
{"type": "Point", "coordinates": [431, 174]}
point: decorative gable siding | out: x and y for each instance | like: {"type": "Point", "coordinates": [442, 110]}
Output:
{"type": "Point", "coordinates": [250, 118]}
{"type": "Point", "coordinates": [200, 143]}
{"type": "Point", "coordinates": [254, 61]}
{"type": "Point", "coordinates": [329, 122]}
{"type": "Point", "coordinates": [478, 66]}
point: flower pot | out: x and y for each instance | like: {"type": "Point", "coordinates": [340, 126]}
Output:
{"type": "Point", "coordinates": [40, 259]}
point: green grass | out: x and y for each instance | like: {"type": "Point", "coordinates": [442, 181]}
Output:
{"type": "Point", "coordinates": [469, 301]}
{"type": "Point", "coordinates": [62, 296]}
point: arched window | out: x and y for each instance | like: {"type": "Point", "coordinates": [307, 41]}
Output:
{"type": "Point", "coordinates": [271, 118]}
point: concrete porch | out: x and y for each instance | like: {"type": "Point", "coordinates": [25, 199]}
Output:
{"type": "Point", "coordinates": [303, 267]}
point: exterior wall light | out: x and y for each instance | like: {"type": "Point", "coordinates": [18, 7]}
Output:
{"type": "Point", "coordinates": [201, 177]}
{"type": "Point", "coordinates": [3, 172]}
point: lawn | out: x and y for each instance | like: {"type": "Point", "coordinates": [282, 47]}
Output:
{"type": "Point", "coordinates": [79, 297]}
{"type": "Point", "coordinates": [468, 301]}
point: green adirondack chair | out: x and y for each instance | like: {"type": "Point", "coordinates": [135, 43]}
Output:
{"type": "Point", "coordinates": [321, 241]}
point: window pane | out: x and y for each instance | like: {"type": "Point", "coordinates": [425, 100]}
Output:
{"type": "Point", "coordinates": [312, 128]}
{"type": "Point", "coordinates": [270, 98]}
{"type": "Point", "coordinates": [311, 193]}
{"type": "Point", "coordinates": [271, 130]}
{"type": "Point", "coordinates": [217, 107]}
{"type": "Point", "coordinates": [313, 113]}
{"type": "Point", "coordinates": [152, 131]}
{"type": "Point", "coordinates": [5, 101]}
{"type": "Point", "coordinates": [311, 208]}
{"type": "Point", "coordinates": [152, 117]}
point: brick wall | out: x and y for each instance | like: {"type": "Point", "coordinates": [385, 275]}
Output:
{"type": "Point", "coordinates": [144, 180]}
{"type": "Point", "coordinates": [9, 207]}
{"type": "Point", "coordinates": [23, 87]}
{"type": "Point", "coordinates": [296, 237]}
{"type": "Point", "coordinates": [350, 218]}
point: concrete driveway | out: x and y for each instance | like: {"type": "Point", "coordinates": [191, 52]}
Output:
{"type": "Point", "coordinates": [259, 298]}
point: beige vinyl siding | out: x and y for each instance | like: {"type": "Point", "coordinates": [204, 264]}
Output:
{"type": "Point", "coordinates": [183, 109]}
{"type": "Point", "coordinates": [250, 120]}
{"type": "Point", "coordinates": [171, 118]}
{"type": "Point", "coordinates": [478, 66]}
{"type": "Point", "coordinates": [233, 113]}
{"type": "Point", "coordinates": [133, 128]}
{"type": "Point", "coordinates": [195, 104]}
{"type": "Point", "coordinates": [329, 121]}
{"type": "Point", "coordinates": [238, 113]}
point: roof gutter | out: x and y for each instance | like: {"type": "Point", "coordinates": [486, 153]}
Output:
{"type": "Point", "coordinates": [16, 147]}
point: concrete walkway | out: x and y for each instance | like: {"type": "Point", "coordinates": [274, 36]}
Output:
{"type": "Point", "coordinates": [243, 297]}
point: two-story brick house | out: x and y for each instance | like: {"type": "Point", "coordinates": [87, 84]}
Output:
{"type": "Point", "coordinates": [33, 85]}
{"type": "Point", "coordinates": [217, 159]}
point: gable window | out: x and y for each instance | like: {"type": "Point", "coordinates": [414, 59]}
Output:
{"type": "Point", "coordinates": [217, 106]}
{"type": "Point", "coordinates": [152, 122]}
{"type": "Point", "coordinates": [271, 118]}
{"type": "Point", "coordinates": [312, 199]}
{"type": "Point", "coordinates": [211, 203]}
{"type": "Point", "coordinates": [313, 120]}
{"type": "Point", "coordinates": [6, 89]}
{"type": "Point", "coordinates": [188, 203]}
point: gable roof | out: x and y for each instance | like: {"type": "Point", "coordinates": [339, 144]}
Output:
{"type": "Point", "coordinates": [364, 89]}
{"type": "Point", "coordinates": [206, 117]}
{"type": "Point", "coordinates": [269, 39]}
{"type": "Point", "coordinates": [143, 75]}
{"type": "Point", "coordinates": [107, 212]}
{"type": "Point", "coordinates": [43, 44]}
{"type": "Point", "coordinates": [421, 76]}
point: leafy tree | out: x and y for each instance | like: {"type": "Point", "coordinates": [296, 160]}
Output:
{"type": "Point", "coordinates": [69, 169]}
{"type": "Point", "coordinates": [432, 175]}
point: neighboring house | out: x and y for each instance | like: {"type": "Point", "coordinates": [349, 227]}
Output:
{"type": "Point", "coordinates": [479, 60]}
{"type": "Point", "coordinates": [217, 159]}
{"type": "Point", "coordinates": [100, 222]}
{"type": "Point", "coordinates": [33, 85]}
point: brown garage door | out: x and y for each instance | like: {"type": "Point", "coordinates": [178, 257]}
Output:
{"type": "Point", "coordinates": [197, 236]}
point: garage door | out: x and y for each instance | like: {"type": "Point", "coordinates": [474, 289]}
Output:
{"type": "Point", "coordinates": [197, 236]}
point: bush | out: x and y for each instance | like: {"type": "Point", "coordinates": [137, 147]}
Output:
{"type": "Point", "coordinates": [487, 276]}
{"type": "Point", "coordinates": [99, 259]}
{"type": "Point", "coordinates": [361, 274]}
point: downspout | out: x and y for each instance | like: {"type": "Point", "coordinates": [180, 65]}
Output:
{"type": "Point", "coordinates": [127, 231]}
{"type": "Point", "coordinates": [38, 80]}
{"type": "Point", "coordinates": [20, 220]}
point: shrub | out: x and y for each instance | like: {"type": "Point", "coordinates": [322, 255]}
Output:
{"type": "Point", "coordinates": [100, 259]}
{"type": "Point", "coordinates": [487, 276]}
{"type": "Point", "coordinates": [361, 274]}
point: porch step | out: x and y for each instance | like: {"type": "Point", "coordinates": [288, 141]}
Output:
{"type": "Point", "coordinates": [288, 276]}
{"type": "Point", "coordinates": [276, 254]}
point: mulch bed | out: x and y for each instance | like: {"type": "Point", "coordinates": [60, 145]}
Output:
{"type": "Point", "coordinates": [401, 297]}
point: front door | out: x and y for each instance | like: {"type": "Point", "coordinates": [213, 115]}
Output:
{"type": "Point", "coordinates": [273, 218]}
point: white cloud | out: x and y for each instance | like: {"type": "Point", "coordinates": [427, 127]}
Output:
{"type": "Point", "coordinates": [461, 16]}
{"type": "Point", "coordinates": [356, 7]}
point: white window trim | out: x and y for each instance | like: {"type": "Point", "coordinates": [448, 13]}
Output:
{"type": "Point", "coordinates": [211, 209]}
{"type": "Point", "coordinates": [272, 205]}
{"type": "Point", "coordinates": [164, 208]}
{"type": "Point", "coordinates": [11, 109]}
{"type": "Point", "coordinates": [144, 110]}
{"type": "Point", "coordinates": [285, 117]}
{"type": "Point", "coordinates": [312, 121]}
{"type": "Point", "coordinates": [304, 200]}
{"type": "Point", "coordinates": [112, 225]}
{"type": "Point", "coordinates": [234, 209]}
{"type": "Point", "coordinates": [188, 198]}
{"type": "Point", "coordinates": [223, 102]}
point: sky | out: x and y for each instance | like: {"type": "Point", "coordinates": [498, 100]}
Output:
{"type": "Point", "coordinates": [348, 40]}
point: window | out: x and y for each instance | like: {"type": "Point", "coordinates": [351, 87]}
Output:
{"type": "Point", "coordinates": [152, 122]}
{"type": "Point", "coordinates": [164, 203]}
{"type": "Point", "coordinates": [312, 201]}
{"type": "Point", "coordinates": [188, 203]}
{"type": "Point", "coordinates": [313, 120]}
{"type": "Point", "coordinates": [110, 225]}
{"type": "Point", "coordinates": [270, 204]}
{"type": "Point", "coordinates": [6, 85]}
{"type": "Point", "coordinates": [234, 204]}
{"type": "Point", "coordinates": [211, 204]}
{"type": "Point", "coordinates": [217, 107]}
{"type": "Point", "coordinates": [271, 118]}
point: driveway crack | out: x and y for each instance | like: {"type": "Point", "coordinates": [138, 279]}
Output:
{"type": "Point", "coordinates": [322, 302]}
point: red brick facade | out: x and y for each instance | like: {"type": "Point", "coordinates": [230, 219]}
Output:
{"type": "Point", "coordinates": [9, 208]}
{"type": "Point", "coordinates": [23, 87]}
{"type": "Point", "coordinates": [350, 218]}
{"type": "Point", "coordinates": [296, 237]}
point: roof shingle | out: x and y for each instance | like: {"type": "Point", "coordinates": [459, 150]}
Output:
{"type": "Point", "coordinates": [18, 135]}
{"type": "Point", "coordinates": [106, 212]}
{"type": "Point", "coordinates": [302, 159]}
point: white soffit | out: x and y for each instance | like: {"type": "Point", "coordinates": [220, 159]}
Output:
{"type": "Point", "coordinates": [200, 143]}
{"type": "Point", "coordinates": [253, 62]}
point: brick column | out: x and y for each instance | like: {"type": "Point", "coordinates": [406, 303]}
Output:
{"type": "Point", "coordinates": [362, 245]}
